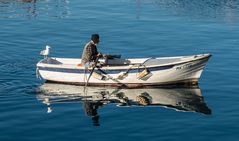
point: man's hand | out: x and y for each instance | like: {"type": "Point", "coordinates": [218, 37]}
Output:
{"type": "Point", "coordinates": [99, 55]}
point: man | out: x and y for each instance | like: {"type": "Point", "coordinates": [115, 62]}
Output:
{"type": "Point", "coordinates": [90, 53]}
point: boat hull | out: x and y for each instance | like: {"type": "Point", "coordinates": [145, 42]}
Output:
{"type": "Point", "coordinates": [184, 73]}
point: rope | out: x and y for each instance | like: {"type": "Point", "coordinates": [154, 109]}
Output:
{"type": "Point", "coordinates": [38, 75]}
{"type": "Point", "coordinates": [122, 76]}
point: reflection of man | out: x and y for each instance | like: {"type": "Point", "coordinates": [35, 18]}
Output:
{"type": "Point", "coordinates": [91, 110]}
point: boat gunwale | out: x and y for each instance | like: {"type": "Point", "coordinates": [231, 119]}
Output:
{"type": "Point", "coordinates": [126, 67]}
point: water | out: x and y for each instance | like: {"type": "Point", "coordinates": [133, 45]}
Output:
{"type": "Point", "coordinates": [133, 28]}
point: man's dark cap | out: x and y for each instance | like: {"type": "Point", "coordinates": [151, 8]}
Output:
{"type": "Point", "coordinates": [95, 36]}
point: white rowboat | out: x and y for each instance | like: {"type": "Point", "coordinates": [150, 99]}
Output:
{"type": "Point", "coordinates": [129, 73]}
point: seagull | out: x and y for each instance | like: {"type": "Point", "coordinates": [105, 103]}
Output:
{"type": "Point", "coordinates": [45, 52]}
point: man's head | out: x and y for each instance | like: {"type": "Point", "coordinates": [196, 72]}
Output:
{"type": "Point", "coordinates": [95, 38]}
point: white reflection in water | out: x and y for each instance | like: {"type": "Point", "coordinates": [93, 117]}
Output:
{"type": "Point", "coordinates": [34, 8]}
{"type": "Point", "coordinates": [180, 99]}
{"type": "Point", "coordinates": [226, 9]}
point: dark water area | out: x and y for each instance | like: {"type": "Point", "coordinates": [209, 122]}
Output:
{"type": "Point", "coordinates": [132, 28]}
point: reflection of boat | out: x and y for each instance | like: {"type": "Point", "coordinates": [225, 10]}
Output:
{"type": "Point", "coordinates": [125, 72]}
{"type": "Point", "coordinates": [181, 99]}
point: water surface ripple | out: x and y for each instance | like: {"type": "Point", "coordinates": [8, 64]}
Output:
{"type": "Point", "coordinates": [32, 110]}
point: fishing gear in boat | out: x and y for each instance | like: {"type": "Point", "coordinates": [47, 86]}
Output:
{"type": "Point", "coordinates": [142, 74]}
{"type": "Point", "coordinates": [145, 72]}
{"type": "Point", "coordinates": [111, 78]}
{"type": "Point", "coordinates": [123, 75]}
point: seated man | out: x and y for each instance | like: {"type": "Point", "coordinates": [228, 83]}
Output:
{"type": "Point", "coordinates": [90, 53]}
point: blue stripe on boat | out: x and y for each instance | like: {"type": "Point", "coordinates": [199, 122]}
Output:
{"type": "Point", "coordinates": [68, 70]}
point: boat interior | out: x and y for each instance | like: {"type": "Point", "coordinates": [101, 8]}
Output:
{"type": "Point", "coordinates": [72, 62]}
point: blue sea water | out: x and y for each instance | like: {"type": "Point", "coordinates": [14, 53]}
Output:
{"type": "Point", "coordinates": [133, 28]}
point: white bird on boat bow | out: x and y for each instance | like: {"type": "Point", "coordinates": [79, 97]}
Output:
{"type": "Point", "coordinates": [45, 52]}
{"type": "Point", "coordinates": [137, 72]}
